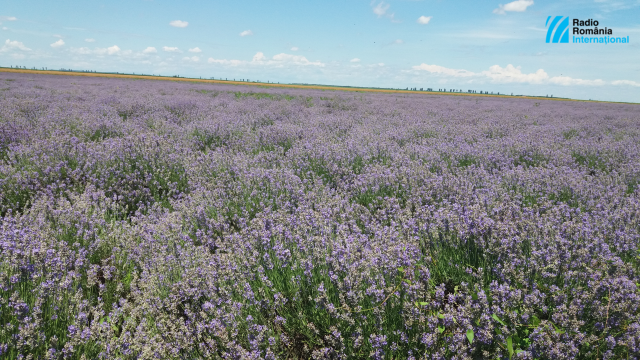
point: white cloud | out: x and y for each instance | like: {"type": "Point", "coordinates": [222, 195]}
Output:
{"type": "Point", "coordinates": [90, 40]}
{"type": "Point", "coordinates": [381, 9]}
{"type": "Point", "coordinates": [482, 34]}
{"type": "Point", "coordinates": [179, 23]}
{"type": "Point", "coordinates": [436, 69]}
{"type": "Point", "coordinates": [84, 51]}
{"type": "Point", "coordinates": [380, 64]}
{"type": "Point", "coordinates": [294, 59]}
{"type": "Point", "coordinates": [226, 62]}
{"type": "Point", "coordinates": [424, 20]}
{"type": "Point", "coordinates": [398, 41]}
{"type": "Point", "coordinates": [259, 57]}
{"type": "Point", "coordinates": [625, 82]}
{"type": "Point", "coordinates": [279, 60]}
{"type": "Point", "coordinates": [610, 6]}
{"type": "Point", "coordinates": [8, 18]}
{"type": "Point", "coordinates": [510, 74]}
{"type": "Point", "coordinates": [195, 50]}
{"type": "Point", "coordinates": [12, 45]}
{"type": "Point", "coordinates": [295, 48]}
{"type": "Point", "coordinates": [355, 60]}
{"type": "Point", "coordinates": [517, 6]}
{"type": "Point", "coordinates": [626, 30]}
{"type": "Point", "coordinates": [57, 44]}
{"type": "Point", "coordinates": [192, 59]}
{"type": "Point", "coordinates": [565, 80]}
{"type": "Point", "coordinates": [246, 33]}
{"type": "Point", "coordinates": [57, 36]}
{"type": "Point", "coordinates": [171, 49]}
{"type": "Point", "coordinates": [149, 50]}
{"type": "Point", "coordinates": [113, 50]}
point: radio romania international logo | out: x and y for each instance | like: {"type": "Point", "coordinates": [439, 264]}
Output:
{"type": "Point", "coordinates": [558, 29]}
{"type": "Point", "coordinates": [558, 32]}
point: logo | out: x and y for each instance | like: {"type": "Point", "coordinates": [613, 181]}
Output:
{"type": "Point", "coordinates": [558, 29]}
{"type": "Point", "coordinates": [558, 32]}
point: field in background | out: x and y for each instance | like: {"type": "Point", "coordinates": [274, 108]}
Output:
{"type": "Point", "coordinates": [185, 220]}
{"type": "Point", "coordinates": [289, 86]}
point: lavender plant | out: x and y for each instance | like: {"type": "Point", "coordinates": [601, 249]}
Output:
{"type": "Point", "coordinates": [146, 219]}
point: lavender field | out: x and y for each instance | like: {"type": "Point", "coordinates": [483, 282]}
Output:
{"type": "Point", "coordinates": [162, 220]}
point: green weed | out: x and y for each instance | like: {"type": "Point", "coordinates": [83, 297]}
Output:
{"type": "Point", "coordinates": [590, 160]}
{"type": "Point", "coordinates": [570, 134]}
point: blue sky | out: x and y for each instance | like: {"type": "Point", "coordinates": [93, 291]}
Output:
{"type": "Point", "coordinates": [482, 45]}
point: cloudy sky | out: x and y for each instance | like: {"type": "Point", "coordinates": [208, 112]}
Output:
{"type": "Point", "coordinates": [482, 45]}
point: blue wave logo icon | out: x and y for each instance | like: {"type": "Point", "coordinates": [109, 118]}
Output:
{"type": "Point", "coordinates": [558, 29]}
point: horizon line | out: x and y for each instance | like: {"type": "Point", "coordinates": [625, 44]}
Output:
{"type": "Point", "coordinates": [71, 72]}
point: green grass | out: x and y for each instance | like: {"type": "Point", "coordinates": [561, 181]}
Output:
{"type": "Point", "coordinates": [241, 204]}
{"type": "Point", "coordinates": [58, 305]}
{"type": "Point", "coordinates": [20, 187]}
{"type": "Point", "coordinates": [373, 199]}
{"type": "Point", "coordinates": [428, 134]}
{"type": "Point", "coordinates": [320, 169]}
{"type": "Point", "coordinates": [454, 162]}
{"type": "Point", "coordinates": [262, 95]}
{"type": "Point", "coordinates": [495, 134]}
{"type": "Point", "coordinates": [590, 160]}
{"type": "Point", "coordinates": [311, 297]}
{"type": "Point", "coordinates": [285, 145]}
{"type": "Point", "coordinates": [565, 195]}
{"type": "Point", "coordinates": [161, 180]}
{"type": "Point", "coordinates": [451, 257]}
{"type": "Point", "coordinates": [210, 140]}
{"type": "Point", "coordinates": [262, 122]}
{"type": "Point", "coordinates": [359, 162]}
{"type": "Point", "coordinates": [206, 92]}
{"type": "Point", "coordinates": [308, 101]}
{"type": "Point", "coordinates": [151, 179]}
{"type": "Point", "coordinates": [102, 133]}
{"type": "Point", "coordinates": [529, 159]}
{"type": "Point", "coordinates": [569, 134]}
{"type": "Point", "coordinates": [15, 197]}
{"type": "Point", "coordinates": [466, 161]}
{"type": "Point", "coordinates": [632, 185]}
